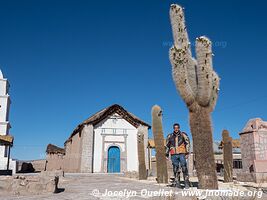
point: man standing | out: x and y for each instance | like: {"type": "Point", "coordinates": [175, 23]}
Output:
{"type": "Point", "coordinates": [178, 145]}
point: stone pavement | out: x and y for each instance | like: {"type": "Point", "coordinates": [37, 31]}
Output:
{"type": "Point", "coordinates": [94, 186]}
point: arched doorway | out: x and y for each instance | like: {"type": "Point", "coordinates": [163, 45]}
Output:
{"type": "Point", "coordinates": [114, 160]}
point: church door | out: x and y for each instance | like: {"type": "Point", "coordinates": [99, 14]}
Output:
{"type": "Point", "coordinates": [114, 159]}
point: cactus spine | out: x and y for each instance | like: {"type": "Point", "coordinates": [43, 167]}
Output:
{"type": "Point", "coordinates": [162, 174]}
{"type": "Point", "coordinates": [141, 153]}
{"type": "Point", "coordinates": [227, 156]}
{"type": "Point", "coordinates": [198, 86]}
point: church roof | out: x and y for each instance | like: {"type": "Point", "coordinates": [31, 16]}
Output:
{"type": "Point", "coordinates": [103, 114]}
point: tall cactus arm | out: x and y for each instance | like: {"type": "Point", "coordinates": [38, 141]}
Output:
{"type": "Point", "coordinates": [215, 91]}
{"type": "Point", "coordinates": [204, 70]}
{"type": "Point", "coordinates": [193, 78]}
{"type": "Point", "coordinates": [181, 58]}
{"type": "Point", "coordinates": [180, 36]}
{"type": "Point", "coordinates": [179, 72]}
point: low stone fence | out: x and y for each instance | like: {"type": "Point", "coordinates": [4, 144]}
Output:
{"type": "Point", "coordinates": [44, 182]}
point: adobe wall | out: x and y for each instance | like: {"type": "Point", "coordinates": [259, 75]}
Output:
{"type": "Point", "coordinates": [72, 159]}
{"type": "Point", "coordinates": [38, 165]}
{"type": "Point", "coordinates": [54, 161]}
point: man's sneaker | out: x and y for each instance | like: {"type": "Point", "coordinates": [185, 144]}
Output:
{"type": "Point", "coordinates": [178, 185]}
{"type": "Point", "coordinates": [186, 184]}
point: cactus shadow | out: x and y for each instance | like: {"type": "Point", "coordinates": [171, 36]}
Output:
{"type": "Point", "coordinates": [192, 184]}
{"type": "Point", "coordinates": [59, 190]}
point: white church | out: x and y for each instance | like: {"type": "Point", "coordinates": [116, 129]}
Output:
{"type": "Point", "coordinates": [5, 125]}
{"type": "Point", "coordinates": [106, 142]}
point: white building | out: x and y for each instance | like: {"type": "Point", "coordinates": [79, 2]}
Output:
{"type": "Point", "coordinates": [106, 142]}
{"type": "Point", "coordinates": [4, 122]}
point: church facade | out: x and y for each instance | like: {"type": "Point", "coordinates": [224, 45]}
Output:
{"type": "Point", "coordinates": [104, 143]}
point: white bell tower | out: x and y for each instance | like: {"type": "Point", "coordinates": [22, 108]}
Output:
{"type": "Point", "coordinates": [4, 111]}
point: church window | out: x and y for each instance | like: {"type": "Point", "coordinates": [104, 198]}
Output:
{"type": "Point", "coordinates": [237, 164]}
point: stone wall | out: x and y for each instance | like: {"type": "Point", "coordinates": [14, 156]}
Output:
{"type": "Point", "coordinates": [37, 184]}
{"type": "Point", "coordinates": [248, 150]}
{"type": "Point", "coordinates": [38, 165]}
{"type": "Point", "coordinates": [145, 146]}
{"type": "Point", "coordinates": [54, 162]}
{"type": "Point", "coordinates": [87, 149]}
{"type": "Point", "coordinates": [253, 141]}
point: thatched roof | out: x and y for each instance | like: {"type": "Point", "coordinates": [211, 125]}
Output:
{"type": "Point", "coordinates": [103, 114]}
{"type": "Point", "coordinates": [6, 140]}
{"type": "Point", "coordinates": [53, 149]}
{"type": "Point", "coordinates": [235, 144]}
{"type": "Point", "coordinates": [151, 143]}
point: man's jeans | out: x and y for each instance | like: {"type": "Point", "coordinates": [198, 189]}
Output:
{"type": "Point", "coordinates": [179, 159]}
{"type": "Point", "coordinates": [176, 160]}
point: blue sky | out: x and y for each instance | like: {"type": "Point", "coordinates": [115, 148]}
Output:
{"type": "Point", "coordinates": [66, 60]}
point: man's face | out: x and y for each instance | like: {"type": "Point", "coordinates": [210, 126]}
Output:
{"type": "Point", "coordinates": [176, 129]}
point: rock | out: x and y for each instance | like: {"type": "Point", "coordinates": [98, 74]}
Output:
{"type": "Point", "coordinates": [35, 188]}
{"type": "Point", "coordinates": [23, 182]}
{"type": "Point", "coordinates": [52, 185]}
{"type": "Point", "coordinates": [35, 184]}
{"type": "Point", "coordinates": [26, 168]}
{"type": "Point", "coordinates": [5, 182]}
{"type": "Point", "coordinates": [132, 174]}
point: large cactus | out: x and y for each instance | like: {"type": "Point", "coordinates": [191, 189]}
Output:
{"type": "Point", "coordinates": [162, 173]}
{"type": "Point", "coordinates": [227, 156]}
{"type": "Point", "coordinates": [141, 153]}
{"type": "Point", "coordinates": [198, 86]}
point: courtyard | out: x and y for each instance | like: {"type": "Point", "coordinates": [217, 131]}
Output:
{"type": "Point", "coordinates": [117, 186]}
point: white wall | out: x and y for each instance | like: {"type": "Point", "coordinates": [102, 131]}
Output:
{"type": "Point", "coordinates": [116, 126]}
{"type": "Point", "coordinates": [4, 86]}
{"type": "Point", "coordinates": [12, 164]}
{"type": "Point", "coordinates": [4, 102]}
{"type": "Point", "coordinates": [97, 150]}
{"type": "Point", "coordinates": [132, 157]}
{"type": "Point", "coordinates": [4, 124]}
